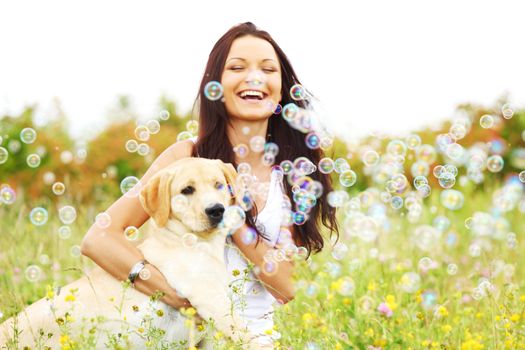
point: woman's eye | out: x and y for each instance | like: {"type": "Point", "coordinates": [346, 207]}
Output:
{"type": "Point", "coordinates": [188, 190]}
{"type": "Point", "coordinates": [269, 70]}
{"type": "Point", "coordinates": [236, 68]}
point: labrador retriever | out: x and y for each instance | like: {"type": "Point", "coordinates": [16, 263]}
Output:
{"type": "Point", "coordinates": [186, 201]}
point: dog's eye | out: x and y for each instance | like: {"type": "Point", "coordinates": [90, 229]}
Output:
{"type": "Point", "coordinates": [219, 185]}
{"type": "Point", "coordinates": [188, 190]}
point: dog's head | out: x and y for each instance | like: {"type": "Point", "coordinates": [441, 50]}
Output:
{"type": "Point", "coordinates": [193, 191]}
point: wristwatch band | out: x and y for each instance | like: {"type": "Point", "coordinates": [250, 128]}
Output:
{"type": "Point", "coordinates": [135, 270]}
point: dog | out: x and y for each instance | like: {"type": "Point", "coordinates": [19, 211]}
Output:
{"type": "Point", "coordinates": [186, 202]}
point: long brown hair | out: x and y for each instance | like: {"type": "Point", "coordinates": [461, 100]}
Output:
{"type": "Point", "coordinates": [213, 141]}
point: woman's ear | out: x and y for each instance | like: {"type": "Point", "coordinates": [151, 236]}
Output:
{"type": "Point", "coordinates": [155, 197]}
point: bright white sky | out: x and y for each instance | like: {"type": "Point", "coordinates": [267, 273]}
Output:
{"type": "Point", "coordinates": [389, 66]}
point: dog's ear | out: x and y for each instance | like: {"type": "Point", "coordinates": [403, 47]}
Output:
{"type": "Point", "coordinates": [155, 197]}
{"type": "Point", "coordinates": [231, 176]}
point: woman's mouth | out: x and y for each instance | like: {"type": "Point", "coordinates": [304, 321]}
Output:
{"type": "Point", "coordinates": [252, 96]}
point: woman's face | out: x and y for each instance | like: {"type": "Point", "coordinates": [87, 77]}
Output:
{"type": "Point", "coordinates": [251, 79]}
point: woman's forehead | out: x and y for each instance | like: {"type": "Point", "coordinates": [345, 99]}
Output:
{"type": "Point", "coordinates": [250, 48]}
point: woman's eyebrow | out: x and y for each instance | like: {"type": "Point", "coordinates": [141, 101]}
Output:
{"type": "Point", "coordinates": [242, 59]}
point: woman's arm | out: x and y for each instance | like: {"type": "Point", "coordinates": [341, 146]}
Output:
{"type": "Point", "coordinates": [281, 283]}
{"type": "Point", "coordinates": [108, 247]}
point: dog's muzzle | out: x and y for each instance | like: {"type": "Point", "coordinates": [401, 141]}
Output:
{"type": "Point", "coordinates": [215, 213]}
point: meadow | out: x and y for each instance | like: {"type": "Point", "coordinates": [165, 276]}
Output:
{"type": "Point", "coordinates": [428, 256]}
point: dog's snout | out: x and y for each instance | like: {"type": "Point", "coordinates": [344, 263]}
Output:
{"type": "Point", "coordinates": [215, 213]}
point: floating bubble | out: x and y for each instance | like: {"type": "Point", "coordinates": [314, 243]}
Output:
{"type": "Point", "coordinates": [457, 131]}
{"type": "Point", "coordinates": [257, 144]}
{"type": "Point", "coordinates": [179, 203]}
{"type": "Point", "coordinates": [413, 141]}
{"type": "Point", "coordinates": [396, 202]}
{"type": "Point", "coordinates": [521, 176]}
{"type": "Point", "coordinates": [58, 188]}
{"type": "Point", "coordinates": [420, 181]}
{"type": "Point", "coordinates": [33, 273]}
{"type": "Point", "coordinates": [396, 148]}
{"type": "Point", "coordinates": [287, 166]}
{"type": "Point", "coordinates": [49, 177]}
{"type": "Point", "coordinates": [248, 236]}
{"type": "Point", "coordinates": [4, 155]}
{"type": "Point", "coordinates": [290, 111]}
{"type": "Point", "coordinates": [454, 151]}
{"type": "Point", "coordinates": [299, 217]}
{"type": "Point", "coordinates": [426, 237]}
{"type": "Point", "coordinates": [337, 199]}
{"type": "Point", "coordinates": [142, 133]}
{"type": "Point", "coordinates": [164, 115]}
{"type": "Point", "coordinates": [370, 158]}
{"type": "Point", "coordinates": [67, 214]}
{"type": "Point", "coordinates": [38, 216]}
{"type": "Point", "coordinates": [452, 199]}
{"type": "Point", "coordinates": [233, 217]}
{"type": "Point", "coordinates": [130, 186]}
{"type": "Point", "coordinates": [424, 190]}
{"type": "Point", "coordinates": [64, 232]}
{"type": "Point", "coordinates": [326, 143]}
{"type": "Point", "coordinates": [271, 148]}
{"type": "Point", "coordinates": [66, 157]}
{"type": "Point", "coordinates": [429, 299]}
{"type": "Point", "coordinates": [241, 150]}
{"type": "Point", "coordinates": [341, 165]}
{"type": "Point", "coordinates": [495, 163]}
{"type": "Point", "coordinates": [326, 165]}
{"type": "Point", "coordinates": [486, 121]}
{"type": "Point", "coordinates": [28, 135]}
{"type": "Point", "coordinates": [75, 252]}
{"type": "Point", "coordinates": [446, 179]}
{"type": "Point", "coordinates": [410, 282]}
{"type": "Point", "coordinates": [297, 92]}
{"type": "Point", "coordinates": [426, 153]}
{"type": "Point", "coordinates": [7, 195]}
{"type": "Point", "coordinates": [213, 90]}
{"type": "Point", "coordinates": [347, 178]}
{"type": "Point", "coordinates": [346, 286]}
{"type": "Point", "coordinates": [507, 110]}
{"type": "Point", "coordinates": [452, 269]}
{"type": "Point", "coordinates": [184, 135]}
{"type": "Point", "coordinates": [193, 126]}
{"type": "Point", "coordinates": [339, 251]}
{"type": "Point", "coordinates": [33, 160]}
{"type": "Point", "coordinates": [269, 268]}
{"type": "Point", "coordinates": [153, 126]}
{"type": "Point", "coordinates": [145, 274]}
{"type": "Point", "coordinates": [419, 168]}
{"type": "Point", "coordinates": [103, 220]}
{"type": "Point", "coordinates": [312, 140]}
{"type": "Point", "coordinates": [131, 233]}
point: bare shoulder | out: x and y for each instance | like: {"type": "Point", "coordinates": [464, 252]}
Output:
{"type": "Point", "coordinates": [178, 150]}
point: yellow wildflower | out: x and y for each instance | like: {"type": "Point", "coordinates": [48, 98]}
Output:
{"type": "Point", "coordinates": [372, 286]}
{"type": "Point", "coordinates": [391, 302]}
{"type": "Point", "coordinates": [443, 311]}
{"type": "Point", "coordinates": [369, 332]}
{"type": "Point", "coordinates": [446, 328]}
{"type": "Point", "coordinates": [515, 318]}
{"type": "Point", "coordinates": [70, 298]}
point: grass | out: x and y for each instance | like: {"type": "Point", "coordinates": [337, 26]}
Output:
{"type": "Point", "coordinates": [356, 296]}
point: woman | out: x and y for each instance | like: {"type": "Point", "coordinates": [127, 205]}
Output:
{"type": "Point", "coordinates": [250, 66]}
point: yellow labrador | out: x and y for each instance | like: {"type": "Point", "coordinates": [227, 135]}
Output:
{"type": "Point", "coordinates": [186, 202]}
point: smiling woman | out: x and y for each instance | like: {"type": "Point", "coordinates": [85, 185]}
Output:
{"type": "Point", "coordinates": [245, 128]}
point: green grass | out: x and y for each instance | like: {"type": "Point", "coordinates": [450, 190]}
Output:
{"type": "Point", "coordinates": [325, 315]}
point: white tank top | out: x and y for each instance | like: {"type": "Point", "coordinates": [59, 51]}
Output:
{"type": "Point", "coordinates": [255, 303]}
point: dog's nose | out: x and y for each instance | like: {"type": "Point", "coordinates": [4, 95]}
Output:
{"type": "Point", "coordinates": [215, 213]}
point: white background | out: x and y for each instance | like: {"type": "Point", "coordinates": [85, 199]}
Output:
{"type": "Point", "coordinates": [388, 66]}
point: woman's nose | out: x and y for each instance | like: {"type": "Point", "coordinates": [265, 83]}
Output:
{"type": "Point", "coordinates": [255, 78]}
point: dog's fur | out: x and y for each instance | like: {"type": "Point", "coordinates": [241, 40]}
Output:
{"type": "Point", "coordinates": [197, 272]}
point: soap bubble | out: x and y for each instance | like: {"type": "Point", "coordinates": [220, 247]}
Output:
{"type": "Point", "coordinates": [297, 92]}
{"type": "Point", "coordinates": [410, 282]}
{"type": "Point", "coordinates": [130, 186]}
{"type": "Point", "coordinates": [486, 121]}
{"type": "Point", "coordinates": [33, 273]}
{"type": "Point", "coordinates": [67, 214]}
{"type": "Point", "coordinates": [413, 141]}
{"type": "Point", "coordinates": [33, 160]}
{"type": "Point", "coordinates": [153, 126]}
{"type": "Point", "coordinates": [64, 232]}
{"type": "Point", "coordinates": [142, 133]}
{"type": "Point", "coordinates": [396, 148]}
{"type": "Point", "coordinates": [28, 135]}
{"type": "Point", "coordinates": [38, 216]}
{"type": "Point", "coordinates": [370, 158]}
{"type": "Point", "coordinates": [326, 166]}
{"type": "Point", "coordinates": [507, 110]}
{"type": "Point", "coordinates": [213, 90]}
{"type": "Point", "coordinates": [164, 115]}
{"type": "Point", "coordinates": [58, 188]}
{"type": "Point", "coordinates": [7, 195]}
{"type": "Point", "coordinates": [3, 155]}
{"type": "Point", "coordinates": [347, 178]}
{"type": "Point", "coordinates": [233, 217]}
{"type": "Point", "coordinates": [103, 220]}
{"type": "Point", "coordinates": [193, 126]}
{"type": "Point", "coordinates": [452, 199]}
{"type": "Point", "coordinates": [131, 233]}
{"type": "Point", "coordinates": [495, 163]}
